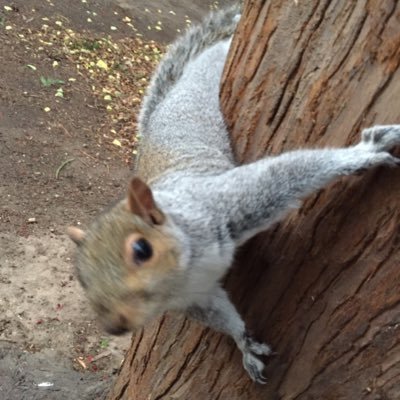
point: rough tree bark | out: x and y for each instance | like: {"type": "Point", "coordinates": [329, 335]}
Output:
{"type": "Point", "coordinates": [323, 287]}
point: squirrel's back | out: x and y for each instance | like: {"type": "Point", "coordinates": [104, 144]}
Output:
{"type": "Point", "coordinates": [216, 26]}
{"type": "Point", "coordinates": [180, 122]}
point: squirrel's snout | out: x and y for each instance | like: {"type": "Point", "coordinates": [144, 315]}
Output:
{"type": "Point", "coordinates": [117, 327]}
{"type": "Point", "coordinates": [116, 330]}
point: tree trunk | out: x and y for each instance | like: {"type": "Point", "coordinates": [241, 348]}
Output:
{"type": "Point", "coordinates": [322, 287]}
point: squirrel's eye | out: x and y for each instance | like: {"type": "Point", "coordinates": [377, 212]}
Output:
{"type": "Point", "coordinates": [142, 251]}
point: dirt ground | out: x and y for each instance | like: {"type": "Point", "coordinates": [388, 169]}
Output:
{"type": "Point", "coordinates": [50, 345]}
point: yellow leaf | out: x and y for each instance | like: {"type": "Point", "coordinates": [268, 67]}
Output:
{"type": "Point", "coordinates": [8, 8]}
{"type": "Point", "coordinates": [101, 64]}
{"type": "Point", "coordinates": [116, 142]}
{"type": "Point", "coordinates": [46, 109]}
{"type": "Point", "coordinates": [107, 97]}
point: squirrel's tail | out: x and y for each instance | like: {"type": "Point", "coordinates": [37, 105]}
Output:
{"type": "Point", "coordinates": [217, 26]}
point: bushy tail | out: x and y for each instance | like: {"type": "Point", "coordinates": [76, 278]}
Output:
{"type": "Point", "coordinates": [217, 26]}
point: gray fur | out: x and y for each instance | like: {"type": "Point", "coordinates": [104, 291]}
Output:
{"type": "Point", "coordinates": [211, 205]}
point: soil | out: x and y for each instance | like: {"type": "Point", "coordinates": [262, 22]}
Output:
{"type": "Point", "coordinates": [50, 344]}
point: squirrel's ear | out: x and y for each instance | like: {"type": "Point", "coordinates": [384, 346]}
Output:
{"type": "Point", "coordinates": [141, 202]}
{"type": "Point", "coordinates": [77, 235]}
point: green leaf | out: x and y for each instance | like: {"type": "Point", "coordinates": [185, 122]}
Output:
{"type": "Point", "coordinates": [104, 343]}
{"type": "Point", "coordinates": [46, 82]}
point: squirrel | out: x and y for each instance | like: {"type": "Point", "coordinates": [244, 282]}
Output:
{"type": "Point", "coordinates": [167, 244]}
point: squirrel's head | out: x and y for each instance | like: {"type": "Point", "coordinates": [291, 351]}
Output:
{"type": "Point", "coordinates": [128, 262]}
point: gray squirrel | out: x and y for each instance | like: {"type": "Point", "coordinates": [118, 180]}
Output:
{"type": "Point", "coordinates": [168, 243]}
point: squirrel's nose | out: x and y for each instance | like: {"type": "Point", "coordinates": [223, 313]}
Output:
{"type": "Point", "coordinates": [116, 330]}
{"type": "Point", "coordinates": [118, 327]}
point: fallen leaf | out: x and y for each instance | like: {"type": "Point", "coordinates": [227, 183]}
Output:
{"type": "Point", "coordinates": [116, 142]}
{"type": "Point", "coordinates": [59, 92]}
{"type": "Point", "coordinates": [47, 109]}
{"type": "Point", "coordinates": [31, 67]}
{"type": "Point", "coordinates": [89, 358]}
{"type": "Point", "coordinates": [102, 64]}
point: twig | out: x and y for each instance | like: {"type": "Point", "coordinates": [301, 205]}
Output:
{"type": "Point", "coordinates": [81, 362]}
{"type": "Point", "coordinates": [8, 340]}
{"type": "Point", "coordinates": [62, 166]}
{"type": "Point", "coordinates": [88, 155]}
{"type": "Point", "coordinates": [101, 355]}
{"type": "Point", "coordinates": [35, 96]}
{"type": "Point", "coordinates": [63, 128]}
{"type": "Point", "coordinates": [83, 162]}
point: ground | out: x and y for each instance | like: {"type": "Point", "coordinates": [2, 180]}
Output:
{"type": "Point", "coordinates": [65, 153]}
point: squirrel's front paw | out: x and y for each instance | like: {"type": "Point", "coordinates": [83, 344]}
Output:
{"type": "Point", "coordinates": [252, 364]}
{"type": "Point", "coordinates": [381, 137]}
{"type": "Point", "coordinates": [254, 367]}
